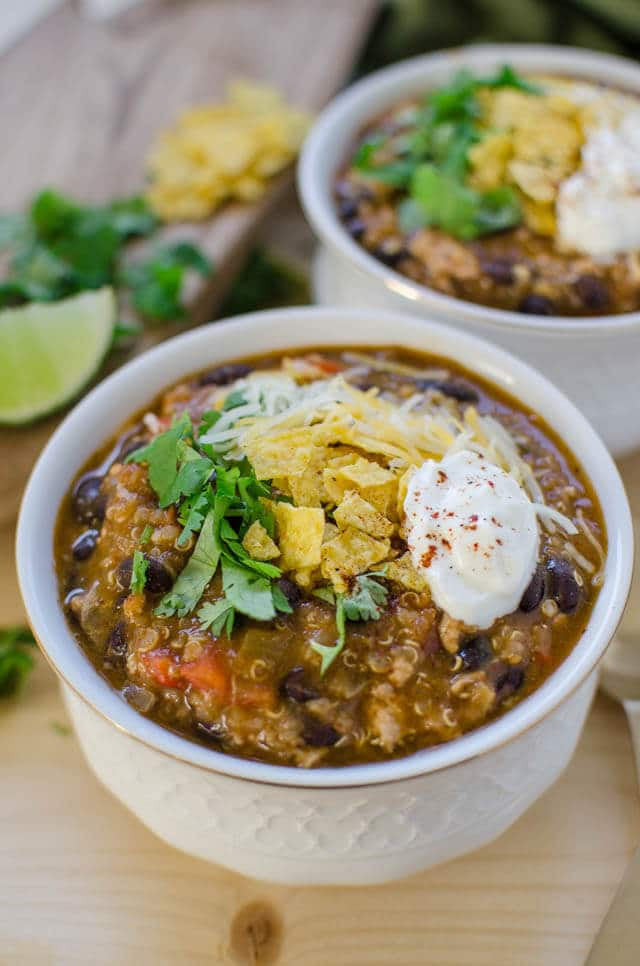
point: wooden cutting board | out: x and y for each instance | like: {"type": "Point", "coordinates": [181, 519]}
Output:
{"type": "Point", "coordinates": [81, 101]}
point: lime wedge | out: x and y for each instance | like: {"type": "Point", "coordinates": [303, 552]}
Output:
{"type": "Point", "coordinates": [49, 351]}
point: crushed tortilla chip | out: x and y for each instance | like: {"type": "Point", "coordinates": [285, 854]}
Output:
{"type": "Point", "coordinates": [300, 534]}
{"type": "Point", "coordinates": [532, 141]}
{"type": "Point", "coordinates": [278, 458]}
{"type": "Point", "coordinates": [373, 482]}
{"type": "Point", "coordinates": [228, 150]}
{"type": "Point", "coordinates": [330, 531]}
{"type": "Point", "coordinates": [355, 512]}
{"type": "Point", "coordinates": [488, 160]}
{"type": "Point", "coordinates": [351, 553]}
{"type": "Point", "coordinates": [540, 217]}
{"type": "Point", "coordinates": [259, 544]}
{"type": "Point", "coordinates": [402, 571]}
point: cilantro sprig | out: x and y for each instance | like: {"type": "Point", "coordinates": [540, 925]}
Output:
{"type": "Point", "coordinates": [60, 247]}
{"type": "Point", "coordinates": [156, 281]}
{"type": "Point", "coordinates": [16, 663]}
{"type": "Point", "coordinates": [218, 501]}
{"type": "Point", "coordinates": [364, 603]}
{"type": "Point", "coordinates": [139, 567]}
{"type": "Point", "coordinates": [427, 160]}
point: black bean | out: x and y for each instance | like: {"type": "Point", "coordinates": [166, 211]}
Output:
{"type": "Point", "coordinates": [84, 545]}
{"type": "Point", "coordinates": [212, 730]}
{"type": "Point", "coordinates": [88, 500]}
{"type": "Point", "coordinates": [294, 686]}
{"type": "Point", "coordinates": [129, 446]}
{"type": "Point", "coordinates": [390, 251]}
{"type": "Point", "coordinates": [362, 383]}
{"type": "Point", "coordinates": [223, 375]}
{"type": "Point", "coordinates": [563, 584]}
{"type": "Point", "coordinates": [536, 305]}
{"type": "Point", "coordinates": [290, 590]}
{"type": "Point", "coordinates": [159, 577]}
{"type": "Point", "coordinates": [509, 681]}
{"type": "Point", "coordinates": [123, 575]}
{"type": "Point", "coordinates": [318, 734]}
{"type": "Point", "coordinates": [116, 649]}
{"type": "Point", "coordinates": [534, 593]}
{"type": "Point", "coordinates": [347, 190]}
{"type": "Point", "coordinates": [476, 652]}
{"type": "Point", "coordinates": [451, 388]}
{"type": "Point", "coordinates": [348, 208]}
{"type": "Point", "coordinates": [356, 228]}
{"type": "Point", "coordinates": [500, 270]}
{"type": "Point", "coordinates": [593, 291]}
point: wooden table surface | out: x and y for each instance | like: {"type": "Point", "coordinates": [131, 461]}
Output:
{"type": "Point", "coordinates": [81, 881]}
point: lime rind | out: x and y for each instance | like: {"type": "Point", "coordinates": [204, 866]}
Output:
{"type": "Point", "coordinates": [49, 351]}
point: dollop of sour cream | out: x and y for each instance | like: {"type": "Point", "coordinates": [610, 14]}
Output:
{"type": "Point", "coordinates": [473, 535]}
{"type": "Point", "coordinates": [598, 207]}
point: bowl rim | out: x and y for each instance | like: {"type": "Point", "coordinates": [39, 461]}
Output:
{"type": "Point", "coordinates": [146, 375]}
{"type": "Point", "coordinates": [408, 76]}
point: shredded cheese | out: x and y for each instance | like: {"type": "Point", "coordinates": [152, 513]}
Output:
{"type": "Point", "coordinates": [279, 423]}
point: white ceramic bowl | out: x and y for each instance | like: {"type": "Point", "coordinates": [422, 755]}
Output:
{"type": "Point", "coordinates": [594, 360]}
{"type": "Point", "coordinates": [361, 824]}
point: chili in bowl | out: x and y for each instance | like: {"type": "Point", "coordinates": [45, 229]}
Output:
{"type": "Point", "coordinates": [493, 187]}
{"type": "Point", "coordinates": [323, 581]}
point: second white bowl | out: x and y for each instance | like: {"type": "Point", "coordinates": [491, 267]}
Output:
{"type": "Point", "coordinates": [594, 360]}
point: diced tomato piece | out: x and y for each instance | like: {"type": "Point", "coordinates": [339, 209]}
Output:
{"type": "Point", "coordinates": [208, 673]}
{"type": "Point", "coordinates": [251, 694]}
{"type": "Point", "coordinates": [324, 364]}
{"type": "Point", "coordinates": [160, 666]}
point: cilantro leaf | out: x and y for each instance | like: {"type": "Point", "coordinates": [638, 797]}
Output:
{"type": "Point", "coordinates": [249, 593]}
{"type": "Point", "coordinates": [139, 568]}
{"type": "Point", "coordinates": [15, 660]}
{"type": "Point", "coordinates": [156, 281]}
{"type": "Point", "coordinates": [132, 217]}
{"type": "Point", "coordinates": [262, 567]}
{"type": "Point", "coordinates": [326, 594]}
{"type": "Point", "coordinates": [329, 654]}
{"type": "Point", "coordinates": [192, 513]}
{"type": "Point", "coordinates": [124, 332]}
{"type": "Point", "coordinates": [52, 214]}
{"type": "Point", "coordinates": [198, 571]}
{"type": "Point", "coordinates": [498, 209]}
{"type": "Point", "coordinates": [507, 77]}
{"type": "Point", "coordinates": [218, 616]}
{"type": "Point", "coordinates": [280, 601]}
{"type": "Point", "coordinates": [233, 400]}
{"type": "Point", "coordinates": [208, 420]}
{"type": "Point", "coordinates": [189, 480]}
{"type": "Point", "coordinates": [38, 274]}
{"type": "Point", "coordinates": [265, 281]}
{"type": "Point", "coordinates": [366, 599]}
{"type": "Point", "coordinates": [459, 210]}
{"type": "Point", "coordinates": [161, 456]}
